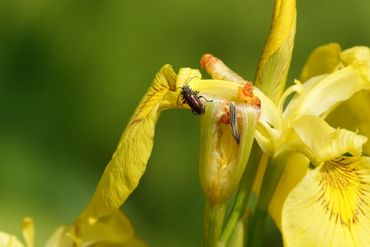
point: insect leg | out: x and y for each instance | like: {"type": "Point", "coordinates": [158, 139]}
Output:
{"type": "Point", "coordinates": [194, 112]}
{"type": "Point", "coordinates": [234, 122]}
{"type": "Point", "coordinates": [200, 97]}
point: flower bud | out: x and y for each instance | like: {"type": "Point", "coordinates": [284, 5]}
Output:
{"type": "Point", "coordinates": [222, 158]}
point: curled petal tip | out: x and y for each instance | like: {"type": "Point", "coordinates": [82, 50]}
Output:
{"type": "Point", "coordinates": [218, 70]}
{"type": "Point", "coordinates": [207, 60]}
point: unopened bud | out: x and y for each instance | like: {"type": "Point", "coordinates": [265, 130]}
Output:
{"type": "Point", "coordinates": [222, 159]}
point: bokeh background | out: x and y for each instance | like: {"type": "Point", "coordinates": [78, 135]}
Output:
{"type": "Point", "coordinates": [72, 72]}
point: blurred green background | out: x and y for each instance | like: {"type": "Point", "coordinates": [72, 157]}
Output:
{"type": "Point", "coordinates": [72, 72]}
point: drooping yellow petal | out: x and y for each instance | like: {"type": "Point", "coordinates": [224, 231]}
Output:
{"type": "Point", "coordinates": [275, 60]}
{"type": "Point", "coordinates": [322, 142]}
{"type": "Point", "coordinates": [322, 60]}
{"type": "Point", "coordinates": [294, 171]}
{"type": "Point", "coordinates": [323, 93]}
{"type": "Point", "coordinates": [128, 163]}
{"type": "Point", "coordinates": [7, 240]}
{"type": "Point", "coordinates": [331, 206]}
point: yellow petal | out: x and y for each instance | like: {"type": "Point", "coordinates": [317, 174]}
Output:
{"type": "Point", "coordinates": [128, 163]}
{"type": "Point", "coordinates": [323, 93]}
{"type": "Point", "coordinates": [354, 114]}
{"type": "Point", "coordinates": [270, 123]}
{"type": "Point", "coordinates": [63, 236]}
{"type": "Point", "coordinates": [294, 171]}
{"type": "Point", "coordinates": [322, 60]}
{"type": "Point", "coordinates": [275, 60]}
{"type": "Point", "coordinates": [322, 142]}
{"type": "Point", "coordinates": [28, 230]}
{"type": "Point", "coordinates": [359, 58]}
{"type": "Point", "coordinates": [7, 240]}
{"type": "Point", "coordinates": [331, 206]}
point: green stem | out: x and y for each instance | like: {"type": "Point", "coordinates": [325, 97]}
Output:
{"type": "Point", "coordinates": [214, 219]}
{"type": "Point", "coordinates": [271, 179]}
{"type": "Point", "coordinates": [243, 194]}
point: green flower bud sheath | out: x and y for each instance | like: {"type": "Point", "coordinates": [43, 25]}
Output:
{"type": "Point", "coordinates": [223, 159]}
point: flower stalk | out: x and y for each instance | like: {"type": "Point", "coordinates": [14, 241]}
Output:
{"type": "Point", "coordinates": [213, 223]}
{"type": "Point", "coordinates": [274, 170]}
{"type": "Point", "coordinates": [243, 194]}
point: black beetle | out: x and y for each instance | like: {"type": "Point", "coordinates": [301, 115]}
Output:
{"type": "Point", "coordinates": [191, 98]}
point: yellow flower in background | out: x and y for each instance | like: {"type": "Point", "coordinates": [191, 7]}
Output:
{"type": "Point", "coordinates": [114, 229]}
